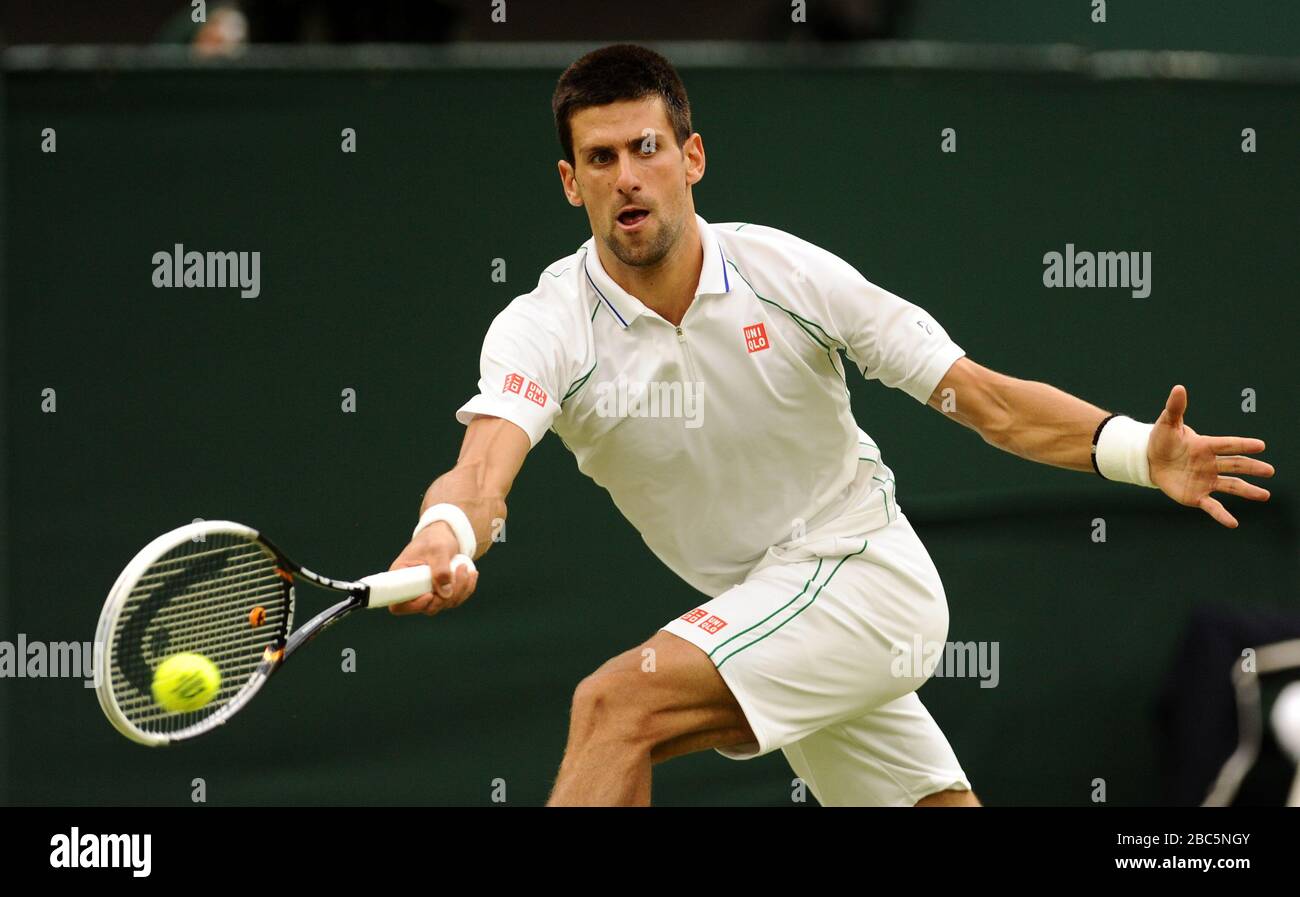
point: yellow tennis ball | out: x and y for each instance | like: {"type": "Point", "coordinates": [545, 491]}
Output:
{"type": "Point", "coordinates": [185, 682]}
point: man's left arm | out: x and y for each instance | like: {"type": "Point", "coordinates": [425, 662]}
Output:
{"type": "Point", "coordinates": [1041, 423]}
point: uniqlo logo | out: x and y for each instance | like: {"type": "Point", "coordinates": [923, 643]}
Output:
{"type": "Point", "coordinates": [756, 337]}
{"type": "Point", "coordinates": [514, 382]}
{"type": "Point", "coordinates": [535, 393]}
{"type": "Point", "coordinates": [713, 624]}
{"type": "Point", "coordinates": [694, 615]}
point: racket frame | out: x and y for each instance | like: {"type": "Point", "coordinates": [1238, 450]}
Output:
{"type": "Point", "coordinates": [273, 657]}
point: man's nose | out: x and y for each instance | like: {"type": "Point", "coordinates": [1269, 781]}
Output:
{"type": "Point", "coordinates": [628, 180]}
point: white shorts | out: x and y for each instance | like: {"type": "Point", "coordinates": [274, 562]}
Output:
{"type": "Point", "coordinates": [808, 644]}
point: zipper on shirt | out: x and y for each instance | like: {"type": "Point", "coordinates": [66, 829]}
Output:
{"type": "Point", "coordinates": [690, 364]}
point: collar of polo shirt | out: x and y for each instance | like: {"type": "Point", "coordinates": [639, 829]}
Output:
{"type": "Point", "coordinates": [626, 308]}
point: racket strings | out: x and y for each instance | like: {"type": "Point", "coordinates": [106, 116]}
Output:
{"type": "Point", "coordinates": [198, 597]}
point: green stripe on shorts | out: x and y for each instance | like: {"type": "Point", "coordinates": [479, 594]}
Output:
{"type": "Point", "coordinates": [784, 606]}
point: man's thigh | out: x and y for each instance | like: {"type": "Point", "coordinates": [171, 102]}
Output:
{"type": "Point", "coordinates": [806, 643]}
{"type": "Point", "coordinates": [892, 756]}
{"type": "Point", "coordinates": [685, 704]}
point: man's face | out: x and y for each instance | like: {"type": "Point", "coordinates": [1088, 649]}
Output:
{"type": "Point", "coordinates": [632, 177]}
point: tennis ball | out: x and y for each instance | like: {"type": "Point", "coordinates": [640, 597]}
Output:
{"type": "Point", "coordinates": [185, 682]}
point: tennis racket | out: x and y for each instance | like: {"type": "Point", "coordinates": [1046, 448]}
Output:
{"type": "Point", "coordinates": [222, 590]}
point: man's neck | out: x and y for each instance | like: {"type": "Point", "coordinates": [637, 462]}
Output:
{"type": "Point", "coordinates": [668, 288]}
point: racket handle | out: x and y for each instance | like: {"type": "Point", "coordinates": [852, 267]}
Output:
{"type": "Point", "coordinates": [397, 586]}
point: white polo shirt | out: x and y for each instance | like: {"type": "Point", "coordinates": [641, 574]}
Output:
{"type": "Point", "coordinates": [732, 433]}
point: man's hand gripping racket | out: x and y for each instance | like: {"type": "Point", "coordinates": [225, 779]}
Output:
{"type": "Point", "coordinates": [221, 590]}
{"type": "Point", "coordinates": [436, 547]}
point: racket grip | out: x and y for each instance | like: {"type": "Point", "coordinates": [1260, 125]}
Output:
{"type": "Point", "coordinates": [397, 586]}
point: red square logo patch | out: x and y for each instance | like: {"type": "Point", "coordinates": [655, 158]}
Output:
{"type": "Point", "coordinates": [756, 337]}
{"type": "Point", "coordinates": [514, 382]}
{"type": "Point", "coordinates": [694, 615]}
{"type": "Point", "coordinates": [535, 393]}
{"type": "Point", "coordinates": [713, 624]}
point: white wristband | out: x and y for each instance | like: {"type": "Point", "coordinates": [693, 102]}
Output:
{"type": "Point", "coordinates": [1120, 452]}
{"type": "Point", "coordinates": [458, 522]}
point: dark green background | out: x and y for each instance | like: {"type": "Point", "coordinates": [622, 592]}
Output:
{"type": "Point", "coordinates": [176, 404]}
{"type": "Point", "coordinates": [1256, 28]}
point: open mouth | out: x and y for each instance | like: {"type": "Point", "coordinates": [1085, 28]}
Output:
{"type": "Point", "coordinates": [631, 217]}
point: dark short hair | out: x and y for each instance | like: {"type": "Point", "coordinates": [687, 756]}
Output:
{"type": "Point", "coordinates": [614, 73]}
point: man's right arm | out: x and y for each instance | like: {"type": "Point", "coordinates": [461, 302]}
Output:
{"type": "Point", "coordinates": [490, 457]}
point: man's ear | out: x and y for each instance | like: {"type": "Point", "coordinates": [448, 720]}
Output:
{"type": "Point", "coordinates": [569, 182]}
{"type": "Point", "coordinates": [693, 151]}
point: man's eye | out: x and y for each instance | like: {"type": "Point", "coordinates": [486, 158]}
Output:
{"type": "Point", "coordinates": [599, 158]}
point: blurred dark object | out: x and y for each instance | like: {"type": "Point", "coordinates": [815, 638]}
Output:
{"type": "Point", "coordinates": [847, 20]}
{"type": "Point", "coordinates": [436, 21]}
{"type": "Point", "coordinates": [232, 24]}
{"type": "Point", "coordinates": [1253, 28]}
{"type": "Point", "coordinates": [350, 22]}
{"type": "Point", "coordinates": [1197, 710]}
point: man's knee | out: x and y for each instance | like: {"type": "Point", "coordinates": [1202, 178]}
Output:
{"type": "Point", "coordinates": [662, 692]}
{"type": "Point", "coordinates": [950, 798]}
{"type": "Point", "coordinates": [609, 705]}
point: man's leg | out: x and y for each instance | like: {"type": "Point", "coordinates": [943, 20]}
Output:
{"type": "Point", "coordinates": [638, 709]}
{"type": "Point", "coordinates": [807, 645]}
{"type": "Point", "coordinates": [895, 755]}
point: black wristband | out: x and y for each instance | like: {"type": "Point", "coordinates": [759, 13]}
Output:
{"type": "Point", "coordinates": [1095, 436]}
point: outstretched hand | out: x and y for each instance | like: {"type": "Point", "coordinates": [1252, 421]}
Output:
{"type": "Point", "coordinates": [1188, 467]}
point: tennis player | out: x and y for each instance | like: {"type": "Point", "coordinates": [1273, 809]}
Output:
{"type": "Point", "coordinates": [695, 372]}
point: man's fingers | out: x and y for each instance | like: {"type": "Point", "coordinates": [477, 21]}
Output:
{"type": "Point", "coordinates": [1236, 445]}
{"type": "Point", "coordinates": [462, 586]}
{"type": "Point", "coordinates": [444, 584]}
{"type": "Point", "coordinates": [459, 584]}
{"type": "Point", "coordinates": [1218, 512]}
{"type": "Point", "coordinates": [1175, 405]}
{"type": "Point", "coordinates": [414, 606]}
{"type": "Point", "coordinates": [463, 583]}
{"type": "Point", "coordinates": [1236, 486]}
{"type": "Point", "coordinates": [1250, 467]}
